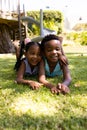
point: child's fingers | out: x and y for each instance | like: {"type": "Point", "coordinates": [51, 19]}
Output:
{"type": "Point", "coordinates": [40, 84]}
{"type": "Point", "coordinates": [55, 90]}
{"type": "Point", "coordinates": [59, 86]}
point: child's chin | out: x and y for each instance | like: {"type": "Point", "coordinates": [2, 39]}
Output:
{"type": "Point", "coordinates": [34, 64]}
{"type": "Point", "coordinates": [54, 60]}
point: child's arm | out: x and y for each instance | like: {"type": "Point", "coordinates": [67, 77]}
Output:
{"type": "Point", "coordinates": [42, 79]}
{"type": "Point", "coordinates": [66, 80]}
{"type": "Point", "coordinates": [66, 75]}
{"type": "Point", "coordinates": [63, 59]}
{"type": "Point", "coordinates": [20, 78]}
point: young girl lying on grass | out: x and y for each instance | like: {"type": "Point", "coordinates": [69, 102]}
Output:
{"type": "Point", "coordinates": [54, 63]}
{"type": "Point", "coordinates": [30, 65]}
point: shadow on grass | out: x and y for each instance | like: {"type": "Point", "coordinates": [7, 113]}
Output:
{"type": "Point", "coordinates": [27, 122]}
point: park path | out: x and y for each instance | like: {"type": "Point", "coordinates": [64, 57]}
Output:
{"type": "Point", "coordinates": [75, 49]}
{"type": "Point", "coordinates": [72, 47]}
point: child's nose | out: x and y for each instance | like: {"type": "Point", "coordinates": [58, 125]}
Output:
{"type": "Point", "coordinates": [35, 56]}
{"type": "Point", "coordinates": [54, 51]}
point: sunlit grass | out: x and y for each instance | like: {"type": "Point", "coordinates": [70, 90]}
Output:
{"type": "Point", "coordinates": [24, 109]}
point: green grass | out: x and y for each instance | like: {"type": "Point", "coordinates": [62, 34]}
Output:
{"type": "Point", "coordinates": [24, 109]}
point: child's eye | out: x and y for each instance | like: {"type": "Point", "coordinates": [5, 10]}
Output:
{"type": "Point", "coordinates": [39, 54]}
{"type": "Point", "coordinates": [32, 53]}
{"type": "Point", "coordinates": [49, 50]}
{"type": "Point", "coordinates": [57, 49]}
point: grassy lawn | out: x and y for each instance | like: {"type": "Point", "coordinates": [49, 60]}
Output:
{"type": "Point", "coordinates": [24, 109]}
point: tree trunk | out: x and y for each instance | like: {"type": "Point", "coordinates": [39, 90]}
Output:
{"type": "Point", "coordinates": [6, 45]}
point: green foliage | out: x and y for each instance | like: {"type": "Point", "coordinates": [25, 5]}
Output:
{"type": "Point", "coordinates": [83, 38]}
{"type": "Point", "coordinates": [33, 28]}
{"type": "Point", "coordinates": [22, 108]}
{"type": "Point", "coordinates": [72, 36]}
{"type": "Point", "coordinates": [78, 37]}
{"type": "Point", "coordinates": [34, 14]}
{"type": "Point", "coordinates": [51, 20]}
{"type": "Point", "coordinates": [55, 16]}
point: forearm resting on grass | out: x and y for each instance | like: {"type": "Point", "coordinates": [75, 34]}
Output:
{"type": "Point", "coordinates": [63, 87]}
{"type": "Point", "coordinates": [53, 88]}
{"type": "Point", "coordinates": [31, 83]}
{"type": "Point", "coordinates": [66, 76]}
{"type": "Point", "coordinates": [67, 81]}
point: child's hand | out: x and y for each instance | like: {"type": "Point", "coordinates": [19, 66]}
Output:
{"type": "Point", "coordinates": [63, 59]}
{"type": "Point", "coordinates": [35, 85]}
{"type": "Point", "coordinates": [55, 90]}
{"type": "Point", "coordinates": [63, 88]}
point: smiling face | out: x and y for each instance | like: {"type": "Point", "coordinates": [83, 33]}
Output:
{"type": "Point", "coordinates": [52, 50]}
{"type": "Point", "coordinates": [33, 55]}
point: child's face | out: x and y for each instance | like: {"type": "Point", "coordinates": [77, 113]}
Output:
{"type": "Point", "coordinates": [52, 50]}
{"type": "Point", "coordinates": [33, 55]}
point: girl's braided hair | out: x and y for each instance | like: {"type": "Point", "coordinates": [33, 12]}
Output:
{"type": "Point", "coordinates": [18, 62]}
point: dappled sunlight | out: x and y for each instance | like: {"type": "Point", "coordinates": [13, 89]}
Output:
{"type": "Point", "coordinates": [79, 105]}
{"type": "Point", "coordinates": [26, 105]}
{"type": "Point", "coordinates": [23, 105]}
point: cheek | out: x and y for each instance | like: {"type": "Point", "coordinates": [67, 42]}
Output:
{"type": "Point", "coordinates": [59, 52]}
{"type": "Point", "coordinates": [28, 56]}
{"type": "Point", "coordinates": [46, 53]}
{"type": "Point", "coordinates": [39, 58]}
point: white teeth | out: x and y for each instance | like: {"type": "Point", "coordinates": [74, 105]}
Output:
{"type": "Point", "coordinates": [54, 57]}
